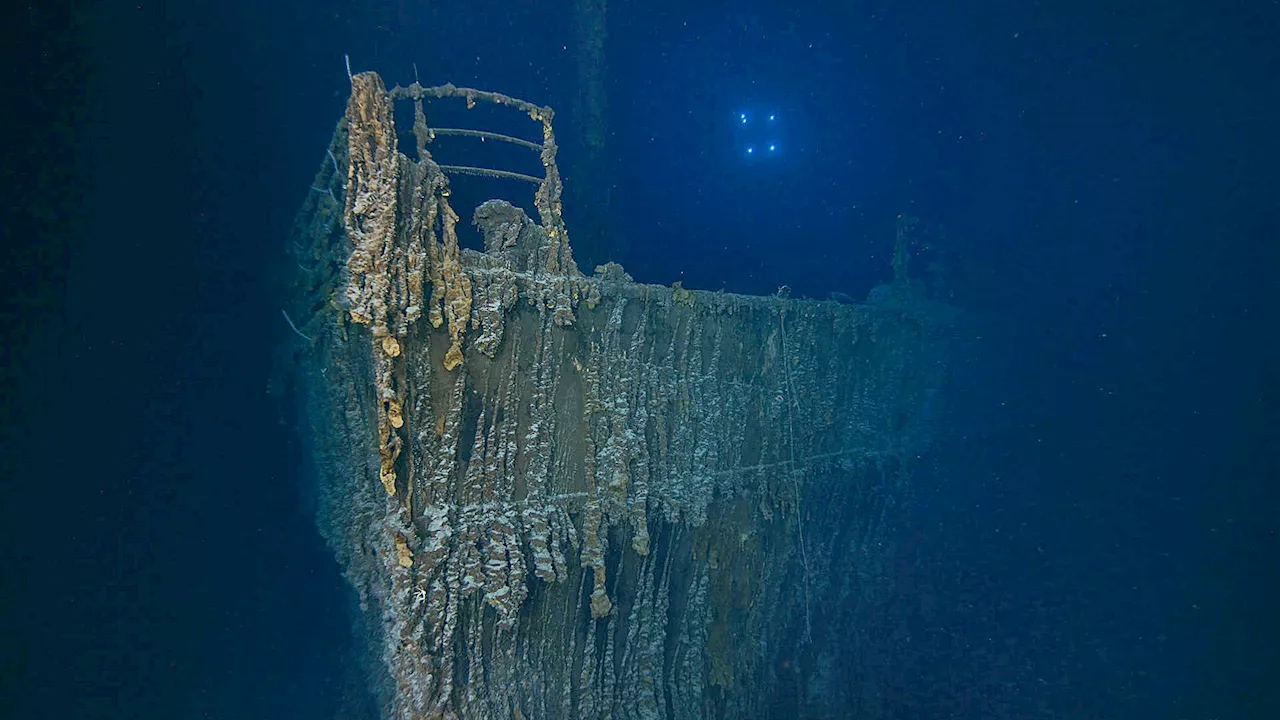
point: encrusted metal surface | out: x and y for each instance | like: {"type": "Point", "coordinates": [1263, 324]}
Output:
{"type": "Point", "coordinates": [568, 496]}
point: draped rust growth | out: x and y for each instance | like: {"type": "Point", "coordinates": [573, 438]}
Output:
{"type": "Point", "coordinates": [380, 291]}
{"type": "Point", "coordinates": [570, 496]}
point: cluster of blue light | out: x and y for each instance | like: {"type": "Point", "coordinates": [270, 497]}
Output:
{"type": "Point", "coordinates": [757, 137]}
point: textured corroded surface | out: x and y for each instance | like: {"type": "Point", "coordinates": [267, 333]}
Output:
{"type": "Point", "coordinates": [614, 499]}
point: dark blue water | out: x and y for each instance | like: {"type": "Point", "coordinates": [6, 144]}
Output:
{"type": "Point", "coordinates": [1097, 535]}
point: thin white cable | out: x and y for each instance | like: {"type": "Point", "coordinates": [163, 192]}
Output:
{"type": "Point", "coordinates": [791, 451]}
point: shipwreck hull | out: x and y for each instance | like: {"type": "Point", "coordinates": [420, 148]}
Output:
{"type": "Point", "coordinates": [561, 496]}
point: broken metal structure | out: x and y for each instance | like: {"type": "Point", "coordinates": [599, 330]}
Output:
{"type": "Point", "coordinates": [568, 496]}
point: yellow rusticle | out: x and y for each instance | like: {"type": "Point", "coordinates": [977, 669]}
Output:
{"type": "Point", "coordinates": [453, 358]}
{"type": "Point", "coordinates": [394, 414]}
{"type": "Point", "coordinates": [391, 346]}
{"type": "Point", "coordinates": [404, 556]}
{"type": "Point", "coordinates": [387, 475]}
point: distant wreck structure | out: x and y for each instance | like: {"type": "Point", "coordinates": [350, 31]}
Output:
{"type": "Point", "coordinates": [567, 496]}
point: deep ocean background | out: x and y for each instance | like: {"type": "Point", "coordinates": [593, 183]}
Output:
{"type": "Point", "coordinates": [1099, 529]}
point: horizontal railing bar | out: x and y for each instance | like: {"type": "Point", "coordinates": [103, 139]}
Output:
{"type": "Point", "coordinates": [485, 135]}
{"type": "Point", "coordinates": [490, 173]}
